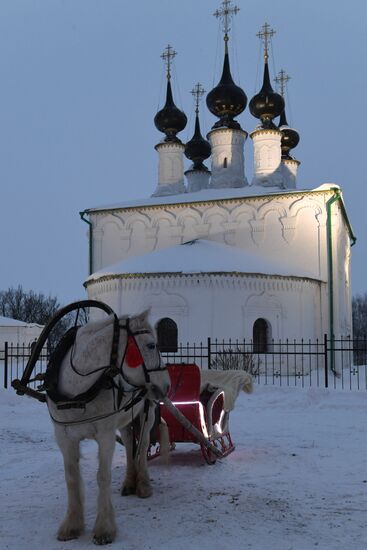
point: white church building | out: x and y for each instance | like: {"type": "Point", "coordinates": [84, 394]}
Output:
{"type": "Point", "coordinates": [214, 254]}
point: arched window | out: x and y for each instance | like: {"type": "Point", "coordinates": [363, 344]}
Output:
{"type": "Point", "coordinates": [225, 162]}
{"type": "Point", "coordinates": [261, 336]}
{"type": "Point", "coordinates": [167, 335]}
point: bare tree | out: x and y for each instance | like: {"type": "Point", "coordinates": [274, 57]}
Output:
{"type": "Point", "coordinates": [27, 306]}
{"type": "Point", "coordinates": [359, 308]}
{"type": "Point", "coordinates": [32, 307]}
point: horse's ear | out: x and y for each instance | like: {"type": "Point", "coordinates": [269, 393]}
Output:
{"type": "Point", "coordinates": [143, 317]}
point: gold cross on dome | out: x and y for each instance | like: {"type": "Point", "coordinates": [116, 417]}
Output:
{"type": "Point", "coordinates": [281, 79]}
{"type": "Point", "coordinates": [265, 34]}
{"type": "Point", "coordinates": [226, 13]}
{"type": "Point", "coordinates": [197, 91]}
{"type": "Point", "coordinates": [167, 56]}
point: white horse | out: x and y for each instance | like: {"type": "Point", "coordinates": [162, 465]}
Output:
{"type": "Point", "coordinates": [135, 389]}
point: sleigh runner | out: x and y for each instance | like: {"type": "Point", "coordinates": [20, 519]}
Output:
{"type": "Point", "coordinates": [194, 411]}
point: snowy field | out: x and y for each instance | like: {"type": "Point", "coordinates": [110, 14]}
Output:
{"type": "Point", "coordinates": [296, 481]}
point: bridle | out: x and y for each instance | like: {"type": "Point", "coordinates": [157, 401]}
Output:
{"type": "Point", "coordinates": [131, 343]}
{"type": "Point", "coordinates": [113, 369]}
{"type": "Point", "coordinates": [132, 355]}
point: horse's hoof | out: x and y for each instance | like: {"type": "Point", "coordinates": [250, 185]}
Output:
{"type": "Point", "coordinates": [127, 490]}
{"type": "Point", "coordinates": [106, 538]}
{"type": "Point", "coordinates": [144, 490]}
{"type": "Point", "coordinates": [69, 534]}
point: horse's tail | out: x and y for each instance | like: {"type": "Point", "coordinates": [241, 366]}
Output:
{"type": "Point", "coordinates": [247, 384]}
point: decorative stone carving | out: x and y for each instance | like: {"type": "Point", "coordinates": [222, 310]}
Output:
{"type": "Point", "coordinates": [176, 232]}
{"type": "Point", "coordinates": [151, 236]}
{"type": "Point", "coordinates": [289, 224]}
{"type": "Point", "coordinates": [257, 231]}
{"type": "Point", "coordinates": [202, 230]}
{"type": "Point", "coordinates": [166, 304]}
{"type": "Point", "coordinates": [230, 232]}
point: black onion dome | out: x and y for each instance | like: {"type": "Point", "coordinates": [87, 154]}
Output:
{"type": "Point", "coordinates": [226, 100]}
{"type": "Point", "coordinates": [290, 138]}
{"type": "Point", "coordinates": [267, 104]}
{"type": "Point", "coordinates": [198, 149]}
{"type": "Point", "coordinates": [170, 120]}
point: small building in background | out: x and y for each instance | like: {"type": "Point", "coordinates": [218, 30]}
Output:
{"type": "Point", "coordinates": [18, 332]}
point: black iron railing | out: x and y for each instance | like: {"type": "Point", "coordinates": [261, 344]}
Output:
{"type": "Point", "coordinates": [337, 363]}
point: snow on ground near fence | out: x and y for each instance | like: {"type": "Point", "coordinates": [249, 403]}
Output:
{"type": "Point", "coordinates": [297, 480]}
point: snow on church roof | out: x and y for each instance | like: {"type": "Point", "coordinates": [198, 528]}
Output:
{"type": "Point", "coordinates": [199, 256]}
{"type": "Point", "coordinates": [210, 195]}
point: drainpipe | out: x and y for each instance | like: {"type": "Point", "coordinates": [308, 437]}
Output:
{"type": "Point", "coordinates": [82, 216]}
{"type": "Point", "coordinates": [336, 197]}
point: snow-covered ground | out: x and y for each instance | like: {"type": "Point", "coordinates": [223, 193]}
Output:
{"type": "Point", "coordinates": [297, 480]}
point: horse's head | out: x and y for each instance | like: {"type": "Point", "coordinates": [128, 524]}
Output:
{"type": "Point", "coordinates": [142, 364]}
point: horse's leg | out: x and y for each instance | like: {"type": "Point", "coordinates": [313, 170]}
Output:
{"type": "Point", "coordinates": [143, 486]}
{"type": "Point", "coordinates": [73, 524]}
{"type": "Point", "coordinates": [129, 483]}
{"type": "Point", "coordinates": [105, 526]}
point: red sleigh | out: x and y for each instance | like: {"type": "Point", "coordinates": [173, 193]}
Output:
{"type": "Point", "coordinates": [204, 410]}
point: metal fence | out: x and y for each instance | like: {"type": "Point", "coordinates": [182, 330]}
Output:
{"type": "Point", "coordinates": [14, 358]}
{"type": "Point", "coordinates": [330, 363]}
{"type": "Point", "coordinates": [335, 363]}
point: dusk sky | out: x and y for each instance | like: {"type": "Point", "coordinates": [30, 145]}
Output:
{"type": "Point", "coordinates": [81, 81]}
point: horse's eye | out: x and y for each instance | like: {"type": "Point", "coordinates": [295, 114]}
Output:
{"type": "Point", "coordinates": [151, 345]}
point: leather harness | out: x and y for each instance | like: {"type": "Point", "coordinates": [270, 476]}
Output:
{"type": "Point", "coordinates": [109, 372]}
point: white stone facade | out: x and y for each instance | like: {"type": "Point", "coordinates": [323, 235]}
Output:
{"type": "Point", "coordinates": [170, 168]}
{"type": "Point", "coordinates": [287, 228]}
{"type": "Point", "coordinates": [227, 160]}
{"type": "Point", "coordinates": [267, 158]}
{"type": "Point", "coordinates": [197, 180]}
{"type": "Point", "coordinates": [289, 172]}
{"type": "Point", "coordinates": [219, 306]}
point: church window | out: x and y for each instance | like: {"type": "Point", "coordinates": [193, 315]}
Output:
{"type": "Point", "coordinates": [167, 335]}
{"type": "Point", "coordinates": [225, 162]}
{"type": "Point", "coordinates": [261, 336]}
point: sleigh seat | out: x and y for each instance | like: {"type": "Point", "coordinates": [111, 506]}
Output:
{"type": "Point", "coordinates": [205, 410]}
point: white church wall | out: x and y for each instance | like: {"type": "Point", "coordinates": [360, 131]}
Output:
{"type": "Point", "coordinates": [290, 228]}
{"type": "Point", "coordinates": [341, 271]}
{"type": "Point", "coordinates": [164, 225]}
{"type": "Point", "coordinates": [109, 241]}
{"type": "Point", "coordinates": [221, 307]}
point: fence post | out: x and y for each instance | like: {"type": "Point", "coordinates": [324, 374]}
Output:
{"type": "Point", "coordinates": [326, 362]}
{"type": "Point", "coordinates": [6, 360]}
{"type": "Point", "coordinates": [209, 354]}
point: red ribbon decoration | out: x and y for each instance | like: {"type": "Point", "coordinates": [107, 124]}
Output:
{"type": "Point", "coordinates": [133, 356]}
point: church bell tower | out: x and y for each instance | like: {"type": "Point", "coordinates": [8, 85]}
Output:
{"type": "Point", "coordinates": [226, 101]}
{"type": "Point", "coordinates": [170, 120]}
